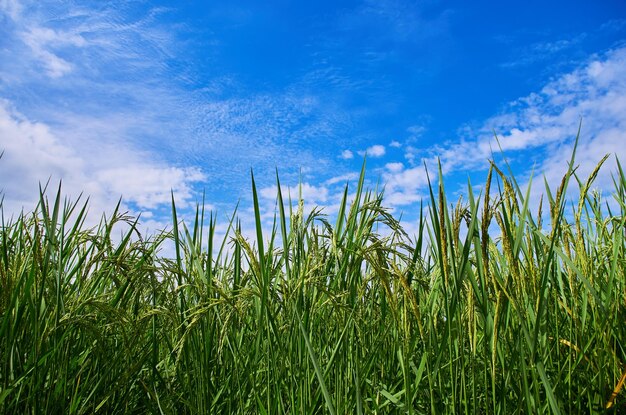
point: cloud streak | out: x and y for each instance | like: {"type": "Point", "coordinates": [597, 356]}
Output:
{"type": "Point", "coordinates": [540, 127]}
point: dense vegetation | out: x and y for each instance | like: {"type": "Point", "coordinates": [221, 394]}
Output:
{"type": "Point", "coordinates": [489, 309]}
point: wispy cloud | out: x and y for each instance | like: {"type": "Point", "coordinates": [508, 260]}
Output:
{"type": "Point", "coordinates": [347, 154]}
{"type": "Point", "coordinates": [43, 41]}
{"type": "Point", "coordinates": [105, 93]}
{"type": "Point", "coordinates": [416, 131]}
{"type": "Point", "coordinates": [540, 128]}
{"type": "Point", "coordinates": [549, 46]}
{"type": "Point", "coordinates": [546, 122]}
{"type": "Point", "coordinates": [356, 44]}
{"type": "Point", "coordinates": [69, 115]}
{"type": "Point", "coordinates": [343, 178]}
{"type": "Point", "coordinates": [399, 20]}
{"type": "Point", "coordinates": [114, 78]}
{"type": "Point", "coordinates": [540, 51]}
{"type": "Point", "coordinates": [11, 7]}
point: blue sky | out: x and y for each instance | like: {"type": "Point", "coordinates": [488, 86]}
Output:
{"type": "Point", "coordinates": [135, 98]}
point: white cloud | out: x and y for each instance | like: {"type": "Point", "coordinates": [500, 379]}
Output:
{"type": "Point", "coordinates": [42, 41]}
{"type": "Point", "coordinates": [539, 128]}
{"type": "Point", "coordinates": [543, 125]}
{"type": "Point", "coordinates": [374, 151]}
{"type": "Point", "coordinates": [404, 186]}
{"type": "Point", "coordinates": [11, 7]}
{"type": "Point", "coordinates": [149, 185]}
{"type": "Point", "coordinates": [416, 131]}
{"type": "Point", "coordinates": [34, 154]}
{"type": "Point", "coordinates": [394, 167]}
{"type": "Point", "coordinates": [342, 178]}
{"type": "Point", "coordinates": [105, 123]}
{"type": "Point", "coordinates": [347, 154]}
{"type": "Point", "coordinates": [121, 77]}
{"type": "Point", "coordinates": [113, 81]}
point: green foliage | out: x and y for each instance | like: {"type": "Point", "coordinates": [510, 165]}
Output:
{"type": "Point", "coordinates": [484, 312]}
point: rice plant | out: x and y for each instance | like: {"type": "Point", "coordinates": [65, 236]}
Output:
{"type": "Point", "coordinates": [488, 309]}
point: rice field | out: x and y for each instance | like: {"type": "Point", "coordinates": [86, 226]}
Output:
{"type": "Point", "coordinates": [495, 306]}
